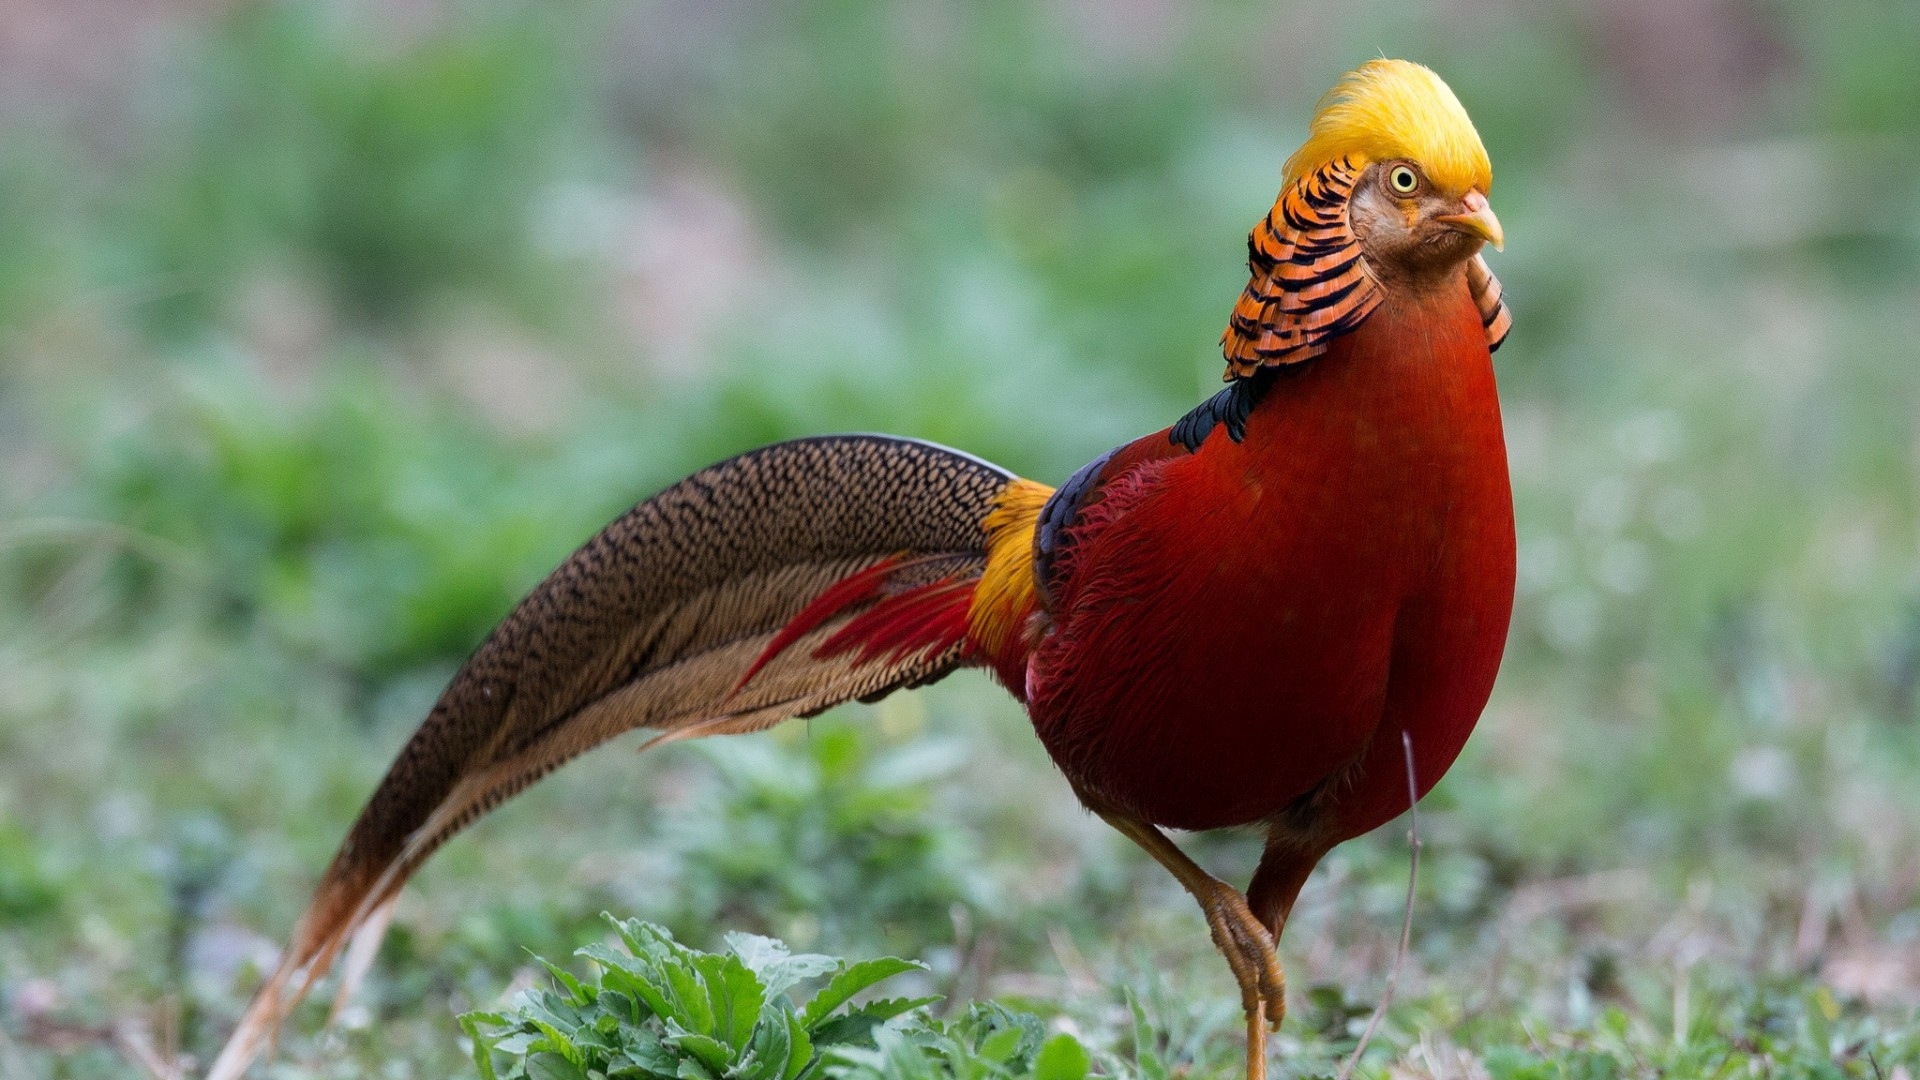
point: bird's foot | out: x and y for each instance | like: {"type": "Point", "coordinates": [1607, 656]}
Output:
{"type": "Point", "coordinates": [1249, 950]}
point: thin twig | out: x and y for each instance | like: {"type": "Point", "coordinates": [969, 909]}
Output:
{"type": "Point", "coordinates": [137, 1046]}
{"type": "Point", "coordinates": [1406, 922]}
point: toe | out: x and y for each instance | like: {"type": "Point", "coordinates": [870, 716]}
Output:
{"type": "Point", "coordinates": [1249, 950]}
{"type": "Point", "coordinates": [1257, 952]}
{"type": "Point", "coordinates": [1276, 1004]}
{"type": "Point", "coordinates": [1245, 972]}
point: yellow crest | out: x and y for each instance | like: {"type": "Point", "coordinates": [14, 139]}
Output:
{"type": "Point", "coordinates": [1396, 109]}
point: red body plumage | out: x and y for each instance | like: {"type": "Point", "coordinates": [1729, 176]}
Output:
{"type": "Point", "coordinates": [1242, 627]}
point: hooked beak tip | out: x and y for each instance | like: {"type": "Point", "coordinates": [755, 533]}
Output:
{"type": "Point", "coordinates": [1479, 220]}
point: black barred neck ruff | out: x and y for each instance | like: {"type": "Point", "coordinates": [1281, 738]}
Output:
{"type": "Point", "coordinates": [1308, 281]}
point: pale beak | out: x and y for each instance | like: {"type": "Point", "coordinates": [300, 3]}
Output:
{"type": "Point", "coordinates": [1477, 221]}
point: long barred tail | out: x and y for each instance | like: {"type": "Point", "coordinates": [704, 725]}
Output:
{"type": "Point", "coordinates": [777, 584]}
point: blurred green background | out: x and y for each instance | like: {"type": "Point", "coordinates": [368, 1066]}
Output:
{"type": "Point", "coordinates": [327, 329]}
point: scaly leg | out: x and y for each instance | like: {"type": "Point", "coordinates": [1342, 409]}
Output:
{"type": "Point", "coordinates": [1283, 869]}
{"type": "Point", "coordinates": [1240, 937]}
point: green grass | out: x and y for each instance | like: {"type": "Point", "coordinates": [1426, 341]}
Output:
{"type": "Point", "coordinates": [657, 1009]}
{"type": "Point", "coordinates": [325, 333]}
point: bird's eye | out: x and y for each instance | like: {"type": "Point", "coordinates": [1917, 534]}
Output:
{"type": "Point", "coordinates": [1403, 180]}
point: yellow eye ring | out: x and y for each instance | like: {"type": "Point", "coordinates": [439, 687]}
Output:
{"type": "Point", "coordinates": [1402, 180]}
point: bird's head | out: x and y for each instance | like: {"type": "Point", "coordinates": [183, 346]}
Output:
{"type": "Point", "coordinates": [1387, 197]}
{"type": "Point", "coordinates": [1420, 204]}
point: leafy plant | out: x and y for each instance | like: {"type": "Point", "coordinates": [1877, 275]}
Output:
{"type": "Point", "coordinates": [989, 1042]}
{"type": "Point", "coordinates": [663, 1010]}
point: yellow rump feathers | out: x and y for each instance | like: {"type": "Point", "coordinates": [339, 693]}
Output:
{"type": "Point", "coordinates": [1395, 109]}
{"type": "Point", "coordinates": [1007, 592]}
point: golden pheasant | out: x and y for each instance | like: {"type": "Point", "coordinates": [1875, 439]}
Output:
{"type": "Point", "coordinates": [1234, 621]}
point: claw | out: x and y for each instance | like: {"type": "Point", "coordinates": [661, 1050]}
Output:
{"type": "Point", "coordinates": [1249, 951]}
{"type": "Point", "coordinates": [1244, 940]}
{"type": "Point", "coordinates": [1244, 972]}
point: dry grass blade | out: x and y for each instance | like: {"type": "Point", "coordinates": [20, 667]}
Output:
{"type": "Point", "coordinates": [1406, 921]}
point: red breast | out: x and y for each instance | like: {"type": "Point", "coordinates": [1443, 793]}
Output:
{"type": "Point", "coordinates": [1237, 627]}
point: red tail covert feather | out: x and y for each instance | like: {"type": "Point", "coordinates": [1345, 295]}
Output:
{"type": "Point", "coordinates": [897, 622]}
{"type": "Point", "coordinates": [925, 618]}
{"type": "Point", "coordinates": [853, 590]}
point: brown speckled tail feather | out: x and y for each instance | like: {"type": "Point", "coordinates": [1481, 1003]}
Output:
{"type": "Point", "coordinates": [651, 624]}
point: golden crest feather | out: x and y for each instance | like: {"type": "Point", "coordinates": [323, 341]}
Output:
{"type": "Point", "coordinates": [1396, 109]}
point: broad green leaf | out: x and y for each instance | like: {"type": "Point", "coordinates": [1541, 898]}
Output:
{"type": "Point", "coordinates": [734, 997]}
{"type": "Point", "coordinates": [888, 1008]}
{"type": "Point", "coordinates": [610, 959]}
{"type": "Point", "coordinates": [1001, 1046]}
{"type": "Point", "coordinates": [850, 1029]}
{"type": "Point", "coordinates": [711, 1052]}
{"type": "Point", "coordinates": [649, 1054]}
{"type": "Point", "coordinates": [843, 986]}
{"type": "Point", "coordinates": [548, 1006]}
{"type": "Point", "coordinates": [549, 1066]}
{"type": "Point", "coordinates": [632, 932]}
{"type": "Point", "coordinates": [800, 1047]}
{"type": "Point", "coordinates": [905, 1059]}
{"type": "Point", "coordinates": [620, 1005]}
{"type": "Point", "coordinates": [766, 1057]}
{"type": "Point", "coordinates": [777, 968]}
{"type": "Point", "coordinates": [860, 1060]}
{"type": "Point", "coordinates": [1062, 1058]}
{"type": "Point", "coordinates": [693, 1069]}
{"type": "Point", "coordinates": [984, 1020]}
{"type": "Point", "coordinates": [629, 976]}
{"type": "Point", "coordinates": [576, 993]}
{"type": "Point", "coordinates": [517, 1043]}
{"type": "Point", "coordinates": [757, 952]}
{"type": "Point", "coordinates": [482, 1046]}
{"type": "Point", "coordinates": [557, 1041]}
{"type": "Point", "coordinates": [803, 966]}
{"type": "Point", "coordinates": [689, 1004]}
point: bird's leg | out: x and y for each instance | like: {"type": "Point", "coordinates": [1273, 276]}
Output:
{"type": "Point", "coordinates": [1283, 869]}
{"type": "Point", "coordinates": [1240, 937]}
